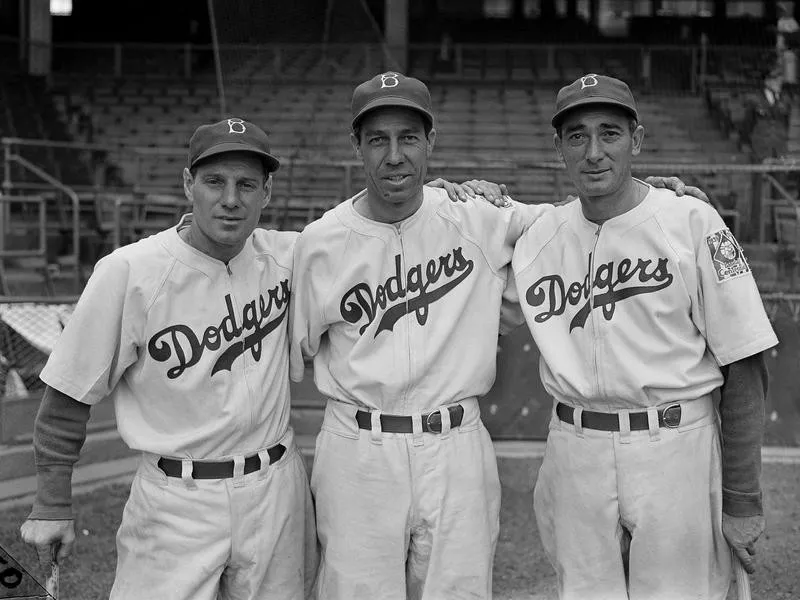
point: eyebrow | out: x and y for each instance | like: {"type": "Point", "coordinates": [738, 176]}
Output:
{"type": "Point", "coordinates": [580, 126]}
{"type": "Point", "coordinates": [243, 179]}
{"type": "Point", "coordinates": [404, 131]}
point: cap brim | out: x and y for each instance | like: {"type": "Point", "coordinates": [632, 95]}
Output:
{"type": "Point", "coordinates": [272, 163]}
{"type": "Point", "coordinates": [391, 101]}
{"type": "Point", "coordinates": [591, 100]}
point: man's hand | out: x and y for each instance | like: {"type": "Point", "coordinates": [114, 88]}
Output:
{"type": "Point", "coordinates": [45, 535]}
{"type": "Point", "coordinates": [742, 533]}
{"type": "Point", "coordinates": [495, 193]}
{"type": "Point", "coordinates": [678, 186]}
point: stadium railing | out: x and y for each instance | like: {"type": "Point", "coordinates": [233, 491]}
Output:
{"type": "Point", "coordinates": [550, 181]}
{"type": "Point", "coordinates": [681, 68]}
{"type": "Point", "coordinates": [69, 220]}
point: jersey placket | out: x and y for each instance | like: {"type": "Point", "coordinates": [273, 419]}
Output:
{"type": "Point", "coordinates": [596, 334]}
{"type": "Point", "coordinates": [406, 321]}
{"type": "Point", "coordinates": [245, 362]}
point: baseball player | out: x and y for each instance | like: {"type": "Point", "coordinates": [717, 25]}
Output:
{"type": "Point", "coordinates": [186, 332]}
{"type": "Point", "coordinates": [397, 296]}
{"type": "Point", "coordinates": [642, 304]}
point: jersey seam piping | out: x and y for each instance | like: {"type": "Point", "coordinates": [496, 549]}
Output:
{"type": "Point", "coordinates": [495, 271]}
{"type": "Point", "coordinates": [555, 232]}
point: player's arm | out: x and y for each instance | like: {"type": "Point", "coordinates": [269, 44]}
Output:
{"type": "Point", "coordinates": [678, 186]}
{"type": "Point", "coordinates": [726, 294]}
{"type": "Point", "coordinates": [306, 310]}
{"type": "Point", "coordinates": [58, 436]}
{"type": "Point", "coordinates": [741, 408]}
{"type": "Point", "coordinates": [496, 193]}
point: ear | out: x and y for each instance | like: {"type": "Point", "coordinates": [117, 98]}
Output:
{"type": "Point", "coordinates": [638, 138]}
{"type": "Point", "coordinates": [431, 140]}
{"type": "Point", "coordinates": [356, 145]}
{"type": "Point", "coordinates": [188, 181]}
{"type": "Point", "coordinates": [267, 192]}
{"type": "Point", "coordinates": [557, 143]}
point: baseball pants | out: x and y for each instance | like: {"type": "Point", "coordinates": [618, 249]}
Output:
{"type": "Point", "coordinates": [405, 515]}
{"type": "Point", "coordinates": [246, 537]}
{"type": "Point", "coordinates": [656, 494]}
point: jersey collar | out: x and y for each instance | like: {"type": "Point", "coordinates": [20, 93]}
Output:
{"type": "Point", "coordinates": [353, 219]}
{"type": "Point", "coordinates": [200, 260]}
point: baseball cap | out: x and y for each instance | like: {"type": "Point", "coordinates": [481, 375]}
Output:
{"type": "Point", "coordinates": [391, 89]}
{"type": "Point", "coordinates": [594, 89]}
{"type": "Point", "coordinates": [230, 135]}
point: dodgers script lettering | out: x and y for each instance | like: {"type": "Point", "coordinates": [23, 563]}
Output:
{"type": "Point", "coordinates": [554, 295]}
{"type": "Point", "coordinates": [188, 348]}
{"type": "Point", "coordinates": [361, 301]}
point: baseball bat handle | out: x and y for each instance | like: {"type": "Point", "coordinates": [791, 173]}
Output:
{"type": "Point", "coordinates": [742, 579]}
{"type": "Point", "coordinates": [51, 585]}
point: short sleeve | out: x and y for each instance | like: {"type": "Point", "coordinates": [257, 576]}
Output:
{"type": "Point", "coordinates": [96, 346]}
{"type": "Point", "coordinates": [729, 311]}
{"type": "Point", "coordinates": [503, 226]}
{"type": "Point", "coordinates": [306, 323]}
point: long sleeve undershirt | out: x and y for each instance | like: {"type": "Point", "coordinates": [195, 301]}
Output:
{"type": "Point", "coordinates": [58, 436]}
{"type": "Point", "coordinates": [743, 396]}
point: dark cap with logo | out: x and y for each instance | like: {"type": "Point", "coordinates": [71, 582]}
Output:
{"type": "Point", "coordinates": [594, 89]}
{"type": "Point", "coordinates": [391, 89]}
{"type": "Point", "coordinates": [230, 135]}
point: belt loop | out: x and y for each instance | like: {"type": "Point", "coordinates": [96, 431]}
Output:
{"type": "Point", "coordinates": [263, 456]}
{"type": "Point", "coordinates": [376, 433]}
{"type": "Point", "coordinates": [187, 468]}
{"type": "Point", "coordinates": [445, 412]}
{"type": "Point", "coordinates": [652, 424]}
{"type": "Point", "coordinates": [577, 421]}
{"type": "Point", "coordinates": [416, 430]}
{"type": "Point", "coordinates": [238, 471]}
{"type": "Point", "coordinates": [625, 426]}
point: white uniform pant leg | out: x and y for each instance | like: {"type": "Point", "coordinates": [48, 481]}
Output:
{"type": "Point", "coordinates": [274, 542]}
{"type": "Point", "coordinates": [362, 494]}
{"type": "Point", "coordinates": [671, 498]}
{"type": "Point", "coordinates": [456, 515]}
{"type": "Point", "coordinates": [577, 513]}
{"type": "Point", "coordinates": [173, 542]}
{"type": "Point", "coordinates": [217, 540]}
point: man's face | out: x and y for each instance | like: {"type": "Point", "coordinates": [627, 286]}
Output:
{"type": "Point", "coordinates": [395, 150]}
{"type": "Point", "coordinates": [227, 192]}
{"type": "Point", "coordinates": [597, 146]}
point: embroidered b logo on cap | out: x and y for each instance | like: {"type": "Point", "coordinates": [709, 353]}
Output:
{"type": "Point", "coordinates": [236, 126]}
{"type": "Point", "coordinates": [589, 80]}
{"type": "Point", "coordinates": [389, 80]}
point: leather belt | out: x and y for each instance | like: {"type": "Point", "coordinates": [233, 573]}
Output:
{"type": "Point", "coordinates": [202, 469]}
{"type": "Point", "coordinates": [432, 422]}
{"type": "Point", "coordinates": [669, 417]}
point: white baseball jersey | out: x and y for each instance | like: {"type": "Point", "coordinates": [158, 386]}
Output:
{"type": "Point", "coordinates": [642, 310]}
{"type": "Point", "coordinates": [193, 352]}
{"type": "Point", "coordinates": [404, 317]}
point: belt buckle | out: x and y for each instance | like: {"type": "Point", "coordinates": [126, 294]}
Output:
{"type": "Point", "coordinates": [672, 416]}
{"type": "Point", "coordinates": [434, 426]}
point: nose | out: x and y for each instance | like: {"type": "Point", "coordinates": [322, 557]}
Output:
{"type": "Point", "coordinates": [230, 195]}
{"type": "Point", "coordinates": [594, 150]}
{"type": "Point", "coordinates": [395, 156]}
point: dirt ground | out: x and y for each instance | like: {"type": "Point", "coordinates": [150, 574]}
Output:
{"type": "Point", "coordinates": [521, 570]}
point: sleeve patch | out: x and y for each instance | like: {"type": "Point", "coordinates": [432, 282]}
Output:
{"type": "Point", "coordinates": [726, 255]}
